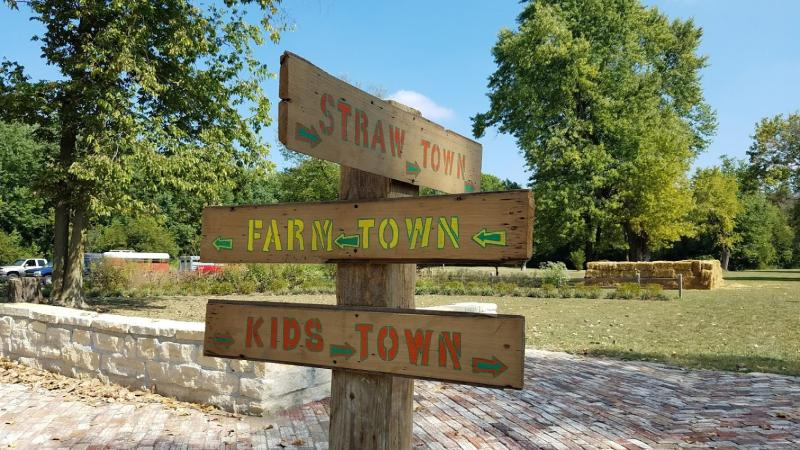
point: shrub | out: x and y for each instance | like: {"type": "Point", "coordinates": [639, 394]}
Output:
{"type": "Point", "coordinates": [627, 291]}
{"type": "Point", "coordinates": [654, 292]}
{"type": "Point", "coordinates": [578, 258]}
{"type": "Point", "coordinates": [553, 273]}
{"type": "Point", "coordinates": [110, 279]}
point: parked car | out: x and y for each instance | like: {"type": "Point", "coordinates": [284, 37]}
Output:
{"type": "Point", "coordinates": [17, 268]}
{"type": "Point", "coordinates": [44, 273]}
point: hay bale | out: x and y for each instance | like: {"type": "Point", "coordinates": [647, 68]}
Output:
{"type": "Point", "coordinates": [696, 268]}
{"type": "Point", "coordinates": [696, 274]}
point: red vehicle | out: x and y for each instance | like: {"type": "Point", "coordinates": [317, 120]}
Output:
{"type": "Point", "coordinates": [155, 262]}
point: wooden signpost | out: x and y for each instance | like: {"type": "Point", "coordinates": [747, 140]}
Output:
{"type": "Point", "coordinates": [373, 338]}
{"type": "Point", "coordinates": [493, 226]}
{"type": "Point", "coordinates": [322, 116]}
{"type": "Point", "coordinates": [460, 347]}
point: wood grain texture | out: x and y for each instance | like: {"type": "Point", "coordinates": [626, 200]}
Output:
{"type": "Point", "coordinates": [322, 116]}
{"type": "Point", "coordinates": [483, 227]}
{"type": "Point", "coordinates": [372, 411]}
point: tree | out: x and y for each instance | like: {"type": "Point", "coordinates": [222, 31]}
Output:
{"type": "Point", "coordinates": [12, 248]}
{"type": "Point", "coordinates": [604, 99]}
{"type": "Point", "coordinates": [23, 210]}
{"type": "Point", "coordinates": [775, 152]}
{"type": "Point", "coordinates": [311, 180]}
{"type": "Point", "coordinates": [143, 234]}
{"type": "Point", "coordinates": [716, 207]}
{"type": "Point", "coordinates": [168, 91]}
{"type": "Point", "coordinates": [766, 238]}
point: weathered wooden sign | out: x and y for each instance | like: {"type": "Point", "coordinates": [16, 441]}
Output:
{"type": "Point", "coordinates": [492, 226]}
{"type": "Point", "coordinates": [325, 117]}
{"type": "Point", "coordinates": [462, 347]}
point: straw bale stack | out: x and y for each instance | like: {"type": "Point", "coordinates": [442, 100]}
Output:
{"type": "Point", "coordinates": [696, 274]}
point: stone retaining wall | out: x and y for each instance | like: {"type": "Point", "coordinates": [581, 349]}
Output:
{"type": "Point", "coordinates": [163, 356]}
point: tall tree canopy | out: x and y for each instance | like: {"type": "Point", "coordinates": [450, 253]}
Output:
{"type": "Point", "coordinates": [166, 91]}
{"type": "Point", "coordinates": [775, 152]}
{"type": "Point", "coordinates": [717, 205]}
{"type": "Point", "coordinates": [604, 100]}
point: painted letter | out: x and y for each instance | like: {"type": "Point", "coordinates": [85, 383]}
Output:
{"type": "Point", "coordinates": [451, 230]}
{"type": "Point", "coordinates": [448, 161]}
{"type": "Point", "coordinates": [416, 231]}
{"type": "Point", "coordinates": [436, 158]}
{"type": "Point", "coordinates": [361, 128]}
{"type": "Point", "coordinates": [377, 136]}
{"type": "Point", "coordinates": [252, 234]}
{"type": "Point", "coordinates": [291, 333]}
{"type": "Point", "coordinates": [273, 332]}
{"type": "Point", "coordinates": [252, 332]}
{"type": "Point", "coordinates": [450, 343]}
{"type": "Point", "coordinates": [272, 237]}
{"type": "Point", "coordinates": [462, 166]}
{"type": "Point", "coordinates": [418, 346]}
{"type": "Point", "coordinates": [314, 342]}
{"type": "Point", "coordinates": [425, 146]}
{"type": "Point", "coordinates": [295, 233]}
{"type": "Point", "coordinates": [344, 108]}
{"type": "Point", "coordinates": [364, 329]}
{"type": "Point", "coordinates": [382, 351]}
{"type": "Point", "coordinates": [396, 138]}
{"type": "Point", "coordinates": [323, 231]}
{"type": "Point", "coordinates": [326, 101]}
{"type": "Point", "coordinates": [391, 243]}
{"type": "Point", "coordinates": [365, 225]}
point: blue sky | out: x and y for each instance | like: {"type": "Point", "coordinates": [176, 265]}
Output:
{"type": "Point", "coordinates": [436, 55]}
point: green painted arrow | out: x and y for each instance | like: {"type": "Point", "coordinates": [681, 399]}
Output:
{"type": "Point", "coordinates": [412, 168]}
{"type": "Point", "coordinates": [491, 366]}
{"type": "Point", "coordinates": [347, 350]}
{"type": "Point", "coordinates": [307, 135]}
{"type": "Point", "coordinates": [226, 340]}
{"type": "Point", "coordinates": [221, 243]}
{"type": "Point", "coordinates": [347, 241]}
{"type": "Point", "coordinates": [484, 238]}
{"type": "Point", "coordinates": [469, 186]}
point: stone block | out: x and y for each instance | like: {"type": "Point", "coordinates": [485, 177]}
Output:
{"type": "Point", "coordinates": [212, 362]}
{"type": "Point", "coordinates": [121, 366]}
{"type": "Point", "coordinates": [56, 366]}
{"type": "Point", "coordinates": [81, 356]}
{"type": "Point", "coordinates": [48, 352]}
{"type": "Point", "coordinates": [172, 351]}
{"type": "Point", "coordinates": [219, 382]}
{"type": "Point", "coordinates": [186, 376]}
{"type": "Point", "coordinates": [158, 372]}
{"type": "Point", "coordinates": [6, 324]}
{"type": "Point", "coordinates": [261, 369]}
{"type": "Point", "coordinates": [58, 337]}
{"type": "Point", "coordinates": [83, 337]}
{"type": "Point", "coordinates": [146, 348]}
{"type": "Point", "coordinates": [295, 378]}
{"type": "Point", "coordinates": [191, 331]}
{"type": "Point", "coordinates": [241, 366]}
{"type": "Point", "coordinates": [30, 362]}
{"type": "Point", "coordinates": [107, 342]}
{"type": "Point", "coordinates": [252, 387]}
{"type": "Point", "coordinates": [151, 327]}
{"type": "Point", "coordinates": [39, 327]}
{"type": "Point", "coordinates": [112, 323]}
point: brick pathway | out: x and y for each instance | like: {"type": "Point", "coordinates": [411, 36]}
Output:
{"type": "Point", "coordinates": [569, 403]}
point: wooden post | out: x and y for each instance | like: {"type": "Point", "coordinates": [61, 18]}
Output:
{"type": "Point", "coordinates": [372, 411]}
{"type": "Point", "coordinates": [680, 285]}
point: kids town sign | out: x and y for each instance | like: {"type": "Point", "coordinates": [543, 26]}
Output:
{"type": "Point", "coordinates": [493, 226]}
{"type": "Point", "coordinates": [466, 348]}
{"type": "Point", "coordinates": [325, 117]}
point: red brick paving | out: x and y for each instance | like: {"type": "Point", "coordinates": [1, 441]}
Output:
{"type": "Point", "coordinates": [569, 403]}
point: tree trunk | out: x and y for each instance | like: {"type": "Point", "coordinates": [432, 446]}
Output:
{"type": "Point", "coordinates": [638, 245]}
{"type": "Point", "coordinates": [72, 289]}
{"type": "Point", "coordinates": [60, 246]}
{"type": "Point", "coordinates": [371, 411]}
{"type": "Point", "coordinates": [725, 258]}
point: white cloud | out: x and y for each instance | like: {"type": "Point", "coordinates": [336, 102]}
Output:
{"type": "Point", "coordinates": [426, 106]}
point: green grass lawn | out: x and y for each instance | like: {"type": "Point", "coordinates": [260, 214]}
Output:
{"type": "Point", "coordinates": [751, 324]}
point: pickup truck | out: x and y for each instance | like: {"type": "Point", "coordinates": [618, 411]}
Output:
{"type": "Point", "coordinates": [17, 268]}
{"type": "Point", "coordinates": [45, 274]}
